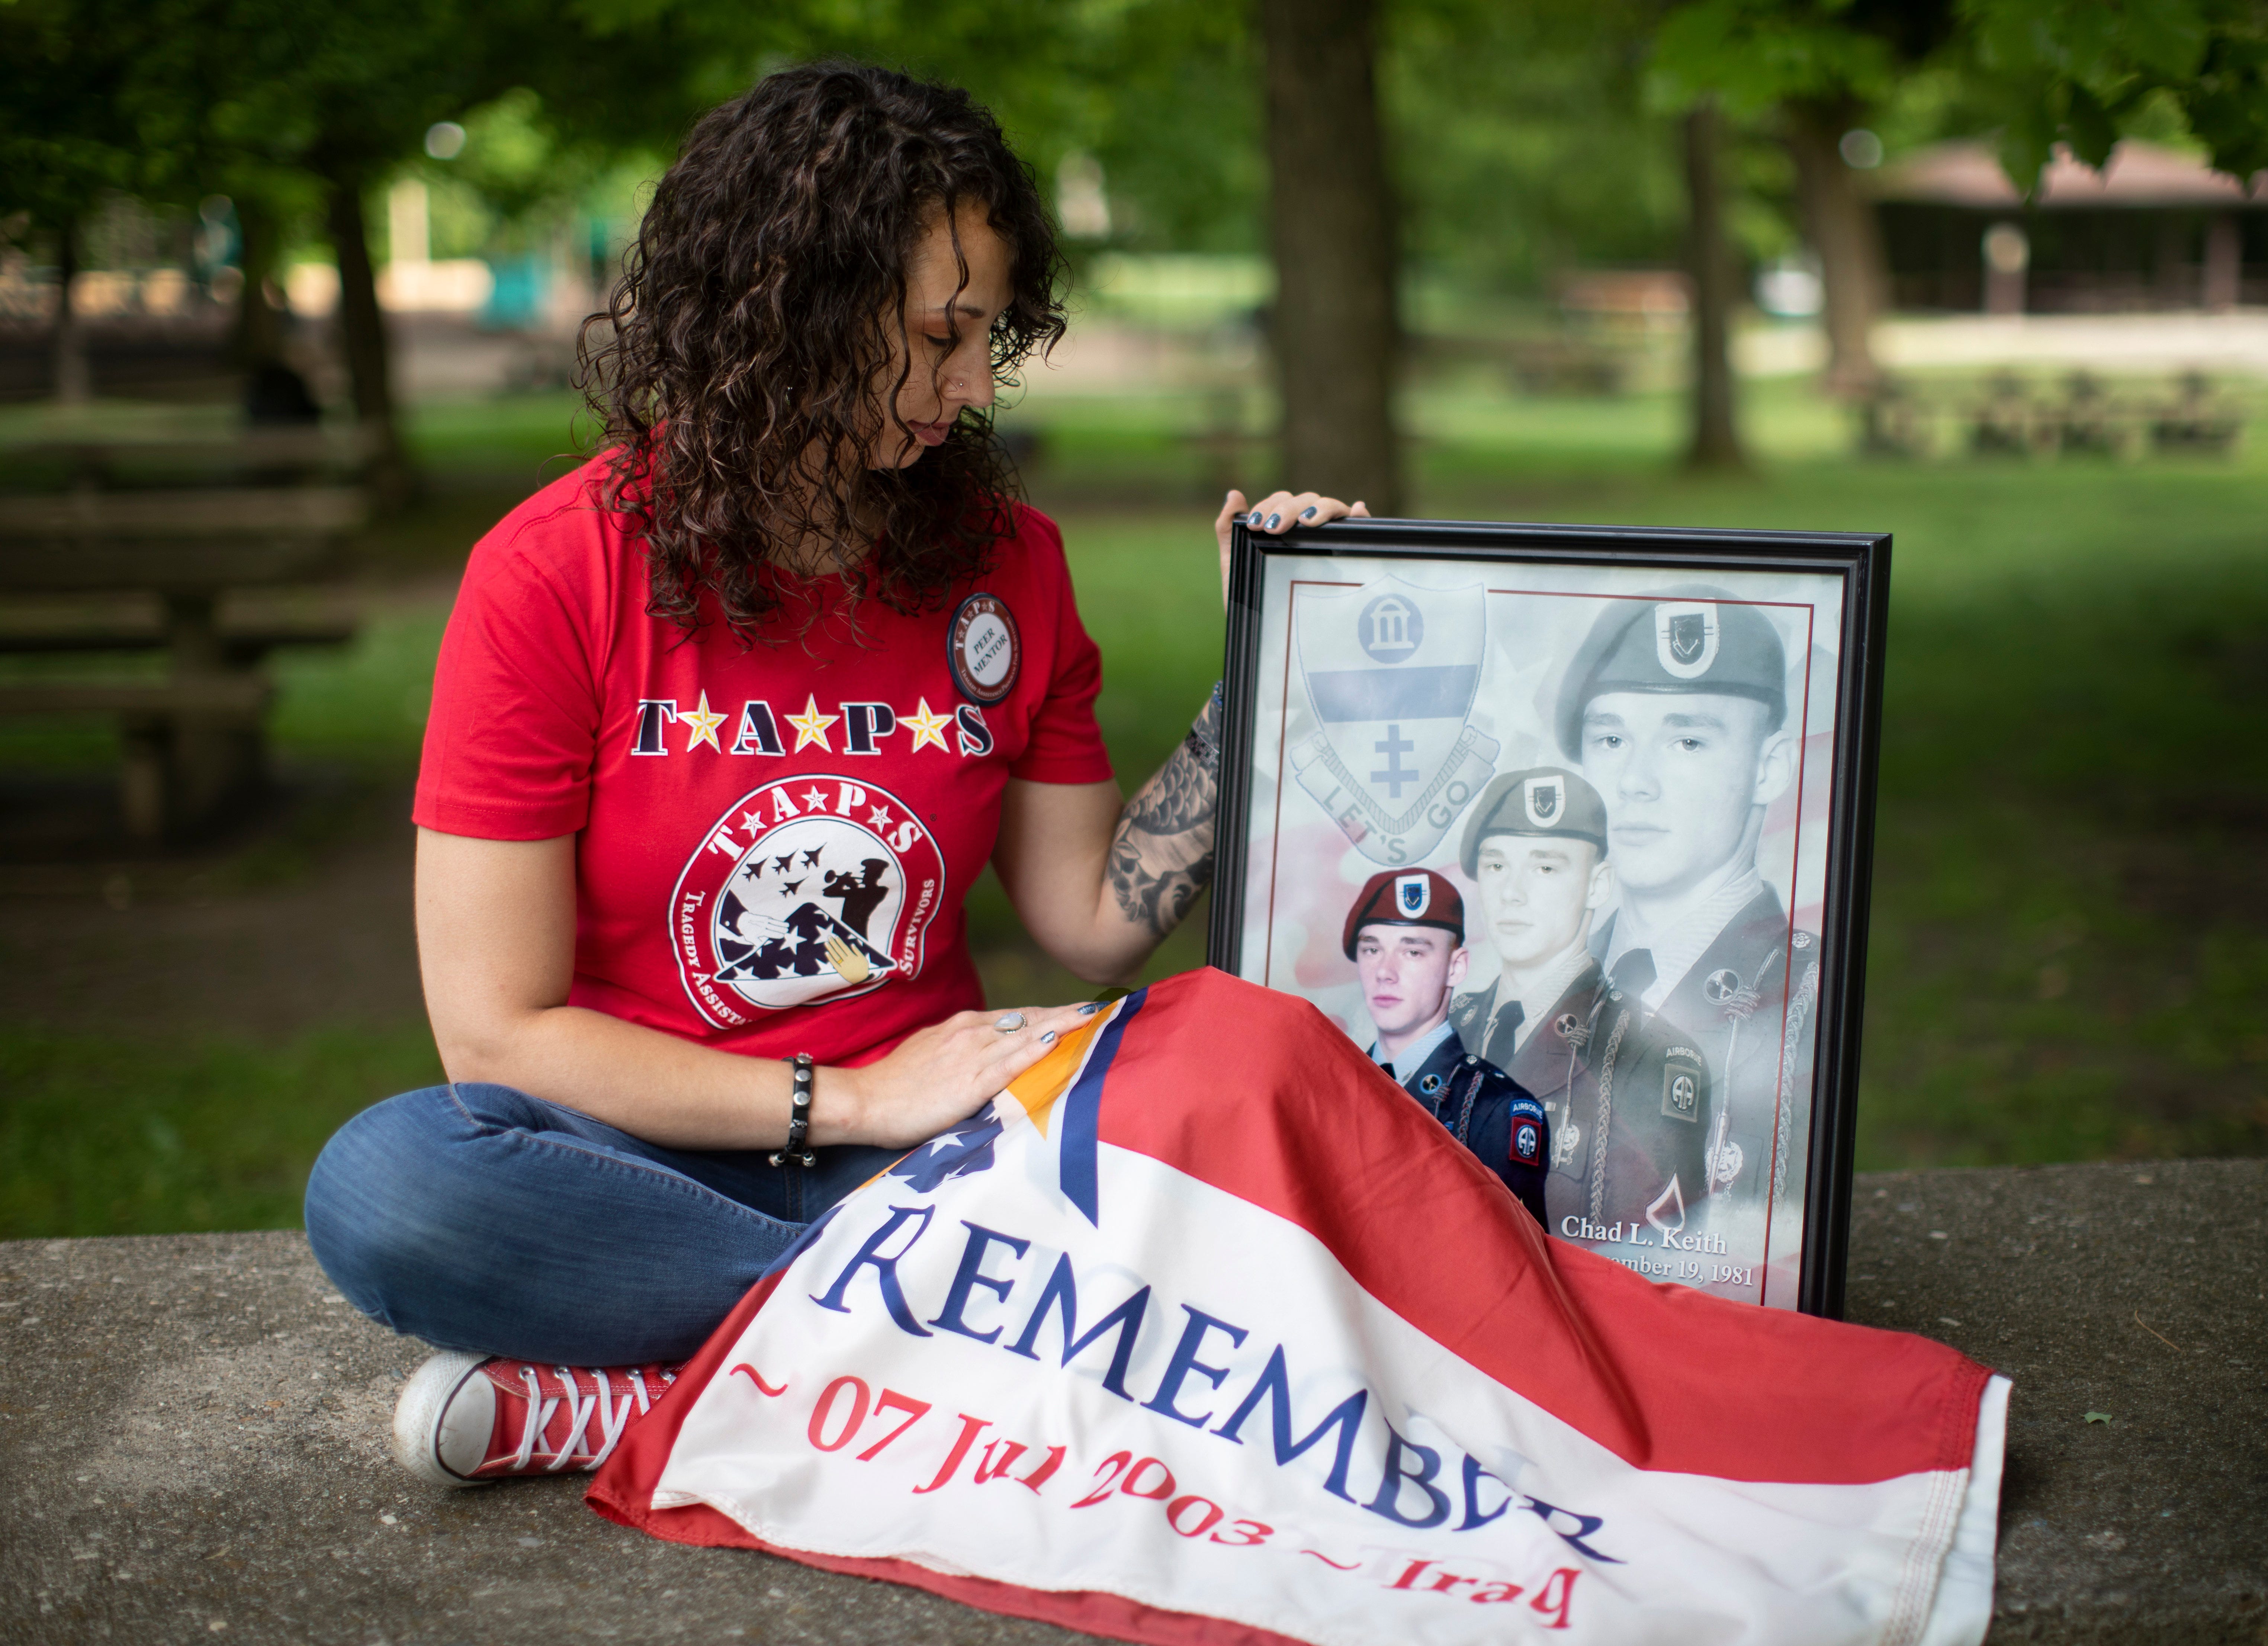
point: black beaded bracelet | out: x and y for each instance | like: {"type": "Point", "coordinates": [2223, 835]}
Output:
{"type": "Point", "coordinates": [798, 1122]}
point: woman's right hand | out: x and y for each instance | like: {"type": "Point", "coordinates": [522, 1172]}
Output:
{"type": "Point", "coordinates": [935, 1077]}
{"type": "Point", "coordinates": [1276, 514]}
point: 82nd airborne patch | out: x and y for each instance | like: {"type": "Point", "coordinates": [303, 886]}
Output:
{"type": "Point", "coordinates": [1527, 1141]}
{"type": "Point", "coordinates": [1684, 1084]}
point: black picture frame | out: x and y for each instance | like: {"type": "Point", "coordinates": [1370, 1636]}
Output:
{"type": "Point", "coordinates": [1859, 563]}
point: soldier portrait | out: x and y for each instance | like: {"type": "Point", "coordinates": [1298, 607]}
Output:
{"type": "Point", "coordinates": [1630, 1110]}
{"type": "Point", "coordinates": [1405, 934]}
{"type": "Point", "coordinates": [1677, 710]}
{"type": "Point", "coordinates": [1611, 785]}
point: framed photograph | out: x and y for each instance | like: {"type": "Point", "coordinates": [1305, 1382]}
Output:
{"type": "Point", "coordinates": [1594, 805]}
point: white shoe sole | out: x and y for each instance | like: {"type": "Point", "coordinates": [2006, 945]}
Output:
{"type": "Point", "coordinates": [419, 1415]}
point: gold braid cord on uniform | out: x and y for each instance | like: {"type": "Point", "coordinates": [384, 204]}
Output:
{"type": "Point", "coordinates": [1606, 1117]}
{"type": "Point", "coordinates": [1465, 1114]}
{"type": "Point", "coordinates": [1790, 1049]}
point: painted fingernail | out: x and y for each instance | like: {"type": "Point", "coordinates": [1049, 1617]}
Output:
{"type": "Point", "coordinates": [1307, 514]}
{"type": "Point", "coordinates": [1090, 1009]}
{"type": "Point", "coordinates": [1049, 1039]}
{"type": "Point", "coordinates": [1274, 520]}
{"type": "Point", "coordinates": [1253, 519]}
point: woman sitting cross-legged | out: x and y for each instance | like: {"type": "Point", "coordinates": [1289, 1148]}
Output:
{"type": "Point", "coordinates": [725, 725]}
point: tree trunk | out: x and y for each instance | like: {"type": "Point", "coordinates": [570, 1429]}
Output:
{"type": "Point", "coordinates": [362, 331]}
{"type": "Point", "coordinates": [74, 378]}
{"type": "Point", "coordinates": [1335, 331]}
{"type": "Point", "coordinates": [257, 340]}
{"type": "Point", "coordinates": [1716, 437]}
{"type": "Point", "coordinates": [1839, 222]}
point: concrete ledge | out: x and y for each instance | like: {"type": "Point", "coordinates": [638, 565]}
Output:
{"type": "Point", "coordinates": [193, 1442]}
{"type": "Point", "coordinates": [2141, 1291]}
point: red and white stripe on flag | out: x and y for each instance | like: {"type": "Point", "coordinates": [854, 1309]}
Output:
{"type": "Point", "coordinates": [1205, 1333]}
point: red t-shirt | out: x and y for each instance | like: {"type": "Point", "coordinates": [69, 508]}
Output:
{"type": "Point", "coordinates": [774, 841]}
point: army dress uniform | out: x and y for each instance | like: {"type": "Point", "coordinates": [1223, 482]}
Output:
{"type": "Point", "coordinates": [1628, 1106]}
{"type": "Point", "coordinates": [1489, 1113]}
{"type": "Point", "coordinates": [1736, 1006]}
{"type": "Point", "coordinates": [1479, 1105]}
{"type": "Point", "coordinates": [1732, 1003]}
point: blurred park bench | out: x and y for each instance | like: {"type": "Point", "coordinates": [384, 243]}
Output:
{"type": "Point", "coordinates": [2079, 414]}
{"type": "Point", "coordinates": [210, 551]}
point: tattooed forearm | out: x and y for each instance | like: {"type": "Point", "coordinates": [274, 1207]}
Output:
{"type": "Point", "coordinates": [1162, 855]}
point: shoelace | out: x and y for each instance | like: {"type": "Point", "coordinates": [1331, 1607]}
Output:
{"type": "Point", "coordinates": [612, 1419]}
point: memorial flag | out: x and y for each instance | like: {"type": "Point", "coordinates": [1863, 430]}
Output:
{"type": "Point", "coordinates": [1205, 1331]}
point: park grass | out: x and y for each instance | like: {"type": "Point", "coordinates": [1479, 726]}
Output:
{"type": "Point", "coordinates": [102, 1135]}
{"type": "Point", "coordinates": [2069, 953]}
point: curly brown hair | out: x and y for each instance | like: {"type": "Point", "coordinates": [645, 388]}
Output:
{"type": "Point", "coordinates": [744, 367]}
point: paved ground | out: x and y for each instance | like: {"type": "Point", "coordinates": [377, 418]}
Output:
{"type": "Point", "coordinates": [192, 1441]}
{"type": "Point", "coordinates": [2135, 1291]}
{"type": "Point", "coordinates": [201, 951]}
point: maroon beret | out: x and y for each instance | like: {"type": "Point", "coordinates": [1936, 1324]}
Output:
{"type": "Point", "coordinates": [1406, 896]}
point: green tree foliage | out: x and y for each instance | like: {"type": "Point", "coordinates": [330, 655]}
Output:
{"type": "Point", "coordinates": [87, 106]}
{"type": "Point", "coordinates": [1756, 55]}
{"type": "Point", "coordinates": [1174, 118]}
{"type": "Point", "coordinates": [1813, 71]}
{"type": "Point", "coordinates": [1511, 126]}
{"type": "Point", "coordinates": [2042, 72]}
{"type": "Point", "coordinates": [1522, 139]}
{"type": "Point", "coordinates": [2083, 72]}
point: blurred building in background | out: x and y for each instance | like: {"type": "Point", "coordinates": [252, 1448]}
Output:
{"type": "Point", "coordinates": [2156, 229]}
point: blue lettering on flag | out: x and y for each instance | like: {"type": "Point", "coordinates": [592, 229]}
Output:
{"type": "Point", "coordinates": [954, 1316]}
{"type": "Point", "coordinates": [1441, 694]}
{"type": "Point", "coordinates": [886, 1269]}
{"type": "Point", "coordinates": [1082, 1112]}
{"type": "Point", "coordinates": [1061, 1293]}
{"type": "Point", "coordinates": [1388, 1501]}
{"type": "Point", "coordinates": [1275, 1386]}
{"type": "Point", "coordinates": [1185, 1361]}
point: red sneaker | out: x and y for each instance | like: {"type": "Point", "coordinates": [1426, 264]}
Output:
{"type": "Point", "coordinates": [463, 1419]}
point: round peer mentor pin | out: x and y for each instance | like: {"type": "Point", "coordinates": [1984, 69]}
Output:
{"type": "Point", "coordinates": [984, 649]}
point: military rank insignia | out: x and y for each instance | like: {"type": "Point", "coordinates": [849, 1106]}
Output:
{"type": "Point", "coordinates": [1684, 1084]}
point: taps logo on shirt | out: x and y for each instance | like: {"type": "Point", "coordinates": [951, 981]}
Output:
{"type": "Point", "coordinates": [809, 889]}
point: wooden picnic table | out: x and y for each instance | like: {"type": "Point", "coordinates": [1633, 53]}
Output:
{"type": "Point", "coordinates": [194, 737]}
{"type": "Point", "coordinates": [2079, 414]}
{"type": "Point", "coordinates": [113, 459]}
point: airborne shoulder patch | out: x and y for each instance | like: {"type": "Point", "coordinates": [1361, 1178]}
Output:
{"type": "Point", "coordinates": [1684, 1085]}
{"type": "Point", "coordinates": [1527, 1140]}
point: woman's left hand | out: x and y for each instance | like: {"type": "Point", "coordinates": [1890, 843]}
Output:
{"type": "Point", "coordinates": [1276, 514]}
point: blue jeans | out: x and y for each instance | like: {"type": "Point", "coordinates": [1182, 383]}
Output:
{"type": "Point", "coordinates": [478, 1217]}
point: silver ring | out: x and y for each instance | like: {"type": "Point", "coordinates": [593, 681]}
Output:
{"type": "Point", "coordinates": [1009, 1022]}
